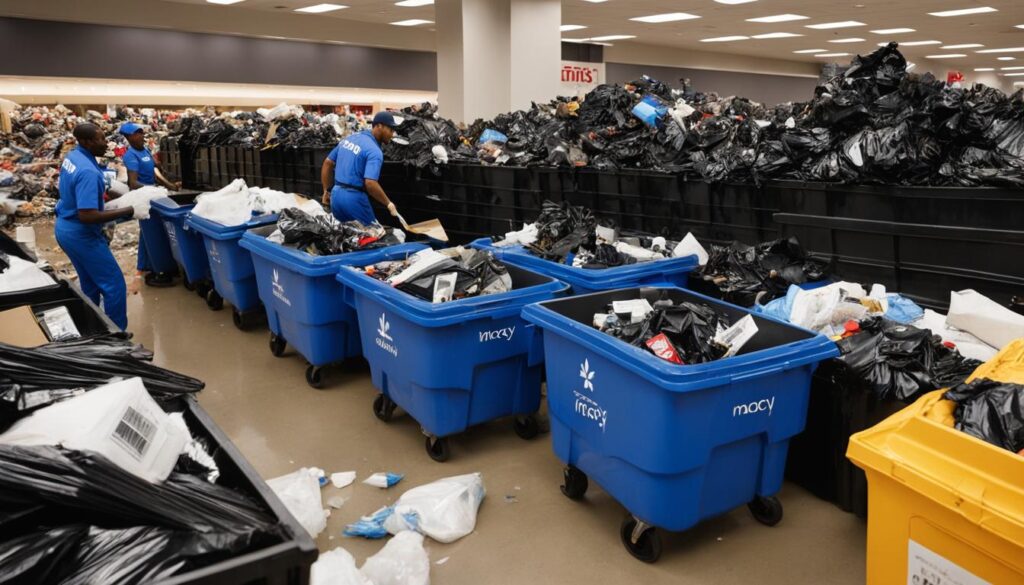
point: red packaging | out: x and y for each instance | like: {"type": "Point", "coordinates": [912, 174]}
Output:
{"type": "Point", "coordinates": [663, 348]}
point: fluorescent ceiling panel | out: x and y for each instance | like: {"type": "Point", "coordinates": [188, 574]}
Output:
{"type": "Point", "coordinates": [1009, 68]}
{"type": "Point", "coordinates": [831, 25]}
{"type": "Point", "coordinates": [1003, 50]}
{"type": "Point", "coordinates": [946, 56]}
{"type": "Point", "coordinates": [832, 55]}
{"type": "Point", "coordinates": [778, 18]}
{"type": "Point", "coordinates": [777, 35]}
{"type": "Point", "coordinates": [725, 39]}
{"type": "Point", "coordinates": [613, 38]}
{"type": "Point", "coordinates": [807, 51]}
{"type": "Point", "coordinates": [735, 1]}
{"type": "Point", "coordinates": [1007, 58]}
{"type": "Point", "coordinates": [320, 8]}
{"type": "Point", "coordinates": [893, 31]}
{"type": "Point", "coordinates": [225, 2]}
{"type": "Point", "coordinates": [984, 69]}
{"type": "Point", "coordinates": [669, 17]}
{"type": "Point", "coordinates": [964, 11]}
{"type": "Point", "coordinates": [412, 22]}
{"type": "Point", "coordinates": [965, 46]}
{"type": "Point", "coordinates": [410, 3]}
{"type": "Point", "coordinates": [849, 40]}
{"type": "Point", "coordinates": [569, 27]}
{"type": "Point", "coordinates": [914, 43]}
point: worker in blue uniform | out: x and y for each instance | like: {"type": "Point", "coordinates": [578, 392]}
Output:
{"type": "Point", "coordinates": [142, 171]}
{"type": "Point", "coordinates": [80, 219]}
{"type": "Point", "coordinates": [352, 171]}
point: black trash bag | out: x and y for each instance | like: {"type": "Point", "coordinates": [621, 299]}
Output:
{"type": "Point", "coordinates": [561, 229]}
{"type": "Point", "coordinates": [991, 411]}
{"type": "Point", "coordinates": [323, 236]}
{"type": "Point", "coordinates": [690, 327]}
{"type": "Point", "coordinates": [606, 256]}
{"type": "Point", "coordinates": [746, 275]}
{"type": "Point", "coordinates": [901, 362]}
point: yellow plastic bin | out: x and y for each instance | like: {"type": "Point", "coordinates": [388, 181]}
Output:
{"type": "Point", "coordinates": [943, 507]}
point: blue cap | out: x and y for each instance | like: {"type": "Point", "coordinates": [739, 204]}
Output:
{"type": "Point", "coordinates": [385, 118]}
{"type": "Point", "coordinates": [130, 128]}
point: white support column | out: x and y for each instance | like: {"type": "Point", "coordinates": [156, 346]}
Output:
{"type": "Point", "coordinates": [535, 51]}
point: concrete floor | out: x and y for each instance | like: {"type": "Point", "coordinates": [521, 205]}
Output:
{"type": "Point", "coordinates": [527, 531]}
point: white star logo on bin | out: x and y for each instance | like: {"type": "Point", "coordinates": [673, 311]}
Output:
{"type": "Point", "coordinates": [587, 375]}
{"type": "Point", "coordinates": [276, 276]}
{"type": "Point", "coordinates": [383, 327]}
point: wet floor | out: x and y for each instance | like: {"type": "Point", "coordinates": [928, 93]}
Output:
{"type": "Point", "coordinates": [527, 531]}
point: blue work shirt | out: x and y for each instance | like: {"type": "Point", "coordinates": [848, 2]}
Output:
{"type": "Point", "coordinates": [81, 185]}
{"type": "Point", "coordinates": [357, 158]}
{"type": "Point", "coordinates": [141, 162]}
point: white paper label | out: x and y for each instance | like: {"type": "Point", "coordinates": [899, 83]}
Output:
{"type": "Point", "coordinates": [925, 567]}
{"type": "Point", "coordinates": [738, 335]}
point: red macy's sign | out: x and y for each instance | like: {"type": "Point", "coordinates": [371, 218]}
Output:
{"type": "Point", "coordinates": [577, 74]}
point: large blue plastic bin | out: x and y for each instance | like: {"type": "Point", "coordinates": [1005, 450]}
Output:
{"type": "Point", "coordinates": [158, 248]}
{"type": "Point", "coordinates": [231, 268]}
{"type": "Point", "coordinates": [186, 244]}
{"type": "Point", "coordinates": [303, 298]}
{"type": "Point", "coordinates": [452, 365]}
{"type": "Point", "coordinates": [674, 444]}
{"type": "Point", "coordinates": [670, 271]}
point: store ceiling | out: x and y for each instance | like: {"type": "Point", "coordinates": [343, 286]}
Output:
{"type": "Point", "coordinates": [999, 29]}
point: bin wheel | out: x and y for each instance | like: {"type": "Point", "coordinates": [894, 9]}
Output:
{"type": "Point", "coordinates": [238, 319]}
{"type": "Point", "coordinates": [439, 449]}
{"type": "Point", "coordinates": [188, 285]}
{"type": "Point", "coordinates": [203, 288]}
{"type": "Point", "coordinates": [384, 407]}
{"type": "Point", "coordinates": [576, 483]}
{"type": "Point", "coordinates": [214, 300]}
{"type": "Point", "coordinates": [640, 539]}
{"type": "Point", "coordinates": [277, 345]}
{"type": "Point", "coordinates": [315, 376]}
{"type": "Point", "coordinates": [766, 510]}
{"type": "Point", "coordinates": [526, 427]}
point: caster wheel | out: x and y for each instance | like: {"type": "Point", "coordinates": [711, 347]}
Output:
{"type": "Point", "coordinates": [766, 510]}
{"type": "Point", "coordinates": [214, 300]}
{"type": "Point", "coordinates": [576, 483]}
{"type": "Point", "coordinates": [438, 449]}
{"type": "Point", "coordinates": [647, 545]}
{"type": "Point", "coordinates": [203, 288]}
{"type": "Point", "coordinates": [526, 427]}
{"type": "Point", "coordinates": [238, 319]}
{"type": "Point", "coordinates": [384, 408]}
{"type": "Point", "coordinates": [188, 285]}
{"type": "Point", "coordinates": [315, 377]}
{"type": "Point", "coordinates": [277, 345]}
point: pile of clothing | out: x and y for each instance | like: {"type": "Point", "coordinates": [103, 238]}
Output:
{"type": "Point", "coordinates": [872, 123]}
{"type": "Point", "coordinates": [439, 276]}
{"type": "Point", "coordinates": [573, 235]}
{"type": "Point", "coordinates": [320, 234]}
{"type": "Point", "coordinates": [748, 275]}
{"type": "Point", "coordinates": [680, 333]}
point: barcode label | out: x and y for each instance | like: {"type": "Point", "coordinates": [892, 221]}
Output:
{"type": "Point", "coordinates": [135, 432]}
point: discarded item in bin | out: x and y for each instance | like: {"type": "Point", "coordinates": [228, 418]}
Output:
{"type": "Point", "coordinates": [748, 275]}
{"type": "Point", "coordinates": [58, 324]}
{"type": "Point", "coordinates": [993, 323]}
{"type": "Point", "coordinates": [690, 330]}
{"type": "Point", "coordinates": [991, 411]}
{"type": "Point", "coordinates": [322, 235]}
{"type": "Point", "coordinates": [18, 275]}
{"type": "Point", "coordinates": [431, 228]}
{"type": "Point", "coordinates": [475, 273]}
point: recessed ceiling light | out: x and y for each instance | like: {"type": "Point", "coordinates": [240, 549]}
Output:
{"type": "Point", "coordinates": [964, 11]}
{"type": "Point", "coordinates": [725, 39]}
{"type": "Point", "coordinates": [224, 1]}
{"type": "Point", "coordinates": [410, 3]}
{"type": "Point", "coordinates": [778, 18]}
{"type": "Point", "coordinates": [1020, 26]}
{"type": "Point", "coordinates": [966, 46]}
{"type": "Point", "coordinates": [319, 8]}
{"type": "Point", "coordinates": [777, 35]}
{"type": "Point", "coordinates": [984, 69]}
{"type": "Point", "coordinates": [832, 55]}
{"type": "Point", "coordinates": [915, 43]}
{"type": "Point", "coordinates": [569, 27]}
{"type": "Point", "coordinates": [669, 17]}
{"type": "Point", "coordinates": [412, 22]}
{"type": "Point", "coordinates": [946, 56]}
{"type": "Point", "coordinates": [843, 24]}
{"type": "Point", "coordinates": [1006, 58]}
{"type": "Point", "coordinates": [892, 31]}
{"type": "Point", "coordinates": [613, 38]}
{"type": "Point", "coordinates": [565, 40]}
{"type": "Point", "coordinates": [1009, 68]}
{"type": "Point", "coordinates": [805, 51]}
{"type": "Point", "coordinates": [1005, 50]}
{"type": "Point", "coordinates": [595, 1]}
{"type": "Point", "coordinates": [735, 1]}
{"type": "Point", "coordinates": [849, 40]}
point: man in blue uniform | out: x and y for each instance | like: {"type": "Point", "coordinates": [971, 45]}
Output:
{"type": "Point", "coordinates": [352, 171]}
{"type": "Point", "coordinates": [80, 219]}
{"type": "Point", "coordinates": [142, 171]}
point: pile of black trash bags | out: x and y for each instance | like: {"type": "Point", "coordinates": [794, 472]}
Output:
{"type": "Point", "coordinates": [251, 129]}
{"type": "Point", "coordinates": [748, 275]}
{"type": "Point", "coordinates": [991, 411]}
{"type": "Point", "coordinates": [446, 275]}
{"type": "Point", "coordinates": [874, 123]}
{"type": "Point", "coordinates": [322, 235]}
{"type": "Point", "coordinates": [898, 362]}
{"type": "Point", "coordinates": [680, 333]}
{"type": "Point", "coordinates": [70, 516]}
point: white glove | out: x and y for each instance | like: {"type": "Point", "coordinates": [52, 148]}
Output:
{"type": "Point", "coordinates": [392, 209]}
{"type": "Point", "coordinates": [141, 211]}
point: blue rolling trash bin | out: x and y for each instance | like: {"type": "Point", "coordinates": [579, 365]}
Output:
{"type": "Point", "coordinates": [158, 248]}
{"type": "Point", "coordinates": [186, 244]}
{"type": "Point", "coordinates": [303, 298]}
{"type": "Point", "coordinates": [231, 268]}
{"type": "Point", "coordinates": [669, 272]}
{"type": "Point", "coordinates": [456, 364]}
{"type": "Point", "coordinates": [674, 444]}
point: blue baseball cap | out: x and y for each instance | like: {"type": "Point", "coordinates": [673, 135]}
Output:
{"type": "Point", "coordinates": [130, 128]}
{"type": "Point", "coordinates": [385, 118]}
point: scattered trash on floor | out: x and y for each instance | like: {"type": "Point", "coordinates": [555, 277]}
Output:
{"type": "Point", "coordinates": [383, 480]}
{"type": "Point", "coordinates": [402, 561]}
{"type": "Point", "coordinates": [300, 493]}
{"type": "Point", "coordinates": [336, 567]}
{"type": "Point", "coordinates": [343, 478]}
{"type": "Point", "coordinates": [442, 561]}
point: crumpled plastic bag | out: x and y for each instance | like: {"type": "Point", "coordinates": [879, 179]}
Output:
{"type": "Point", "coordinates": [21, 275]}
{"type": "Point", "coordinates": [336, 567]}
{"type": "Point", "coordinates": [300, 493]}
{"type": "Point", "coordinates": [227, 206]}
{"type": "Point", "coordinates": [979, 315]}
{"type": "Point", "coordinates": [402, 561]}
{"type": "Point", "coordinates": [967, 344]}
{"type": "Point", "coordinates": [138, 199]}
{"type": "Point", "coordinates": [991, 411]}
